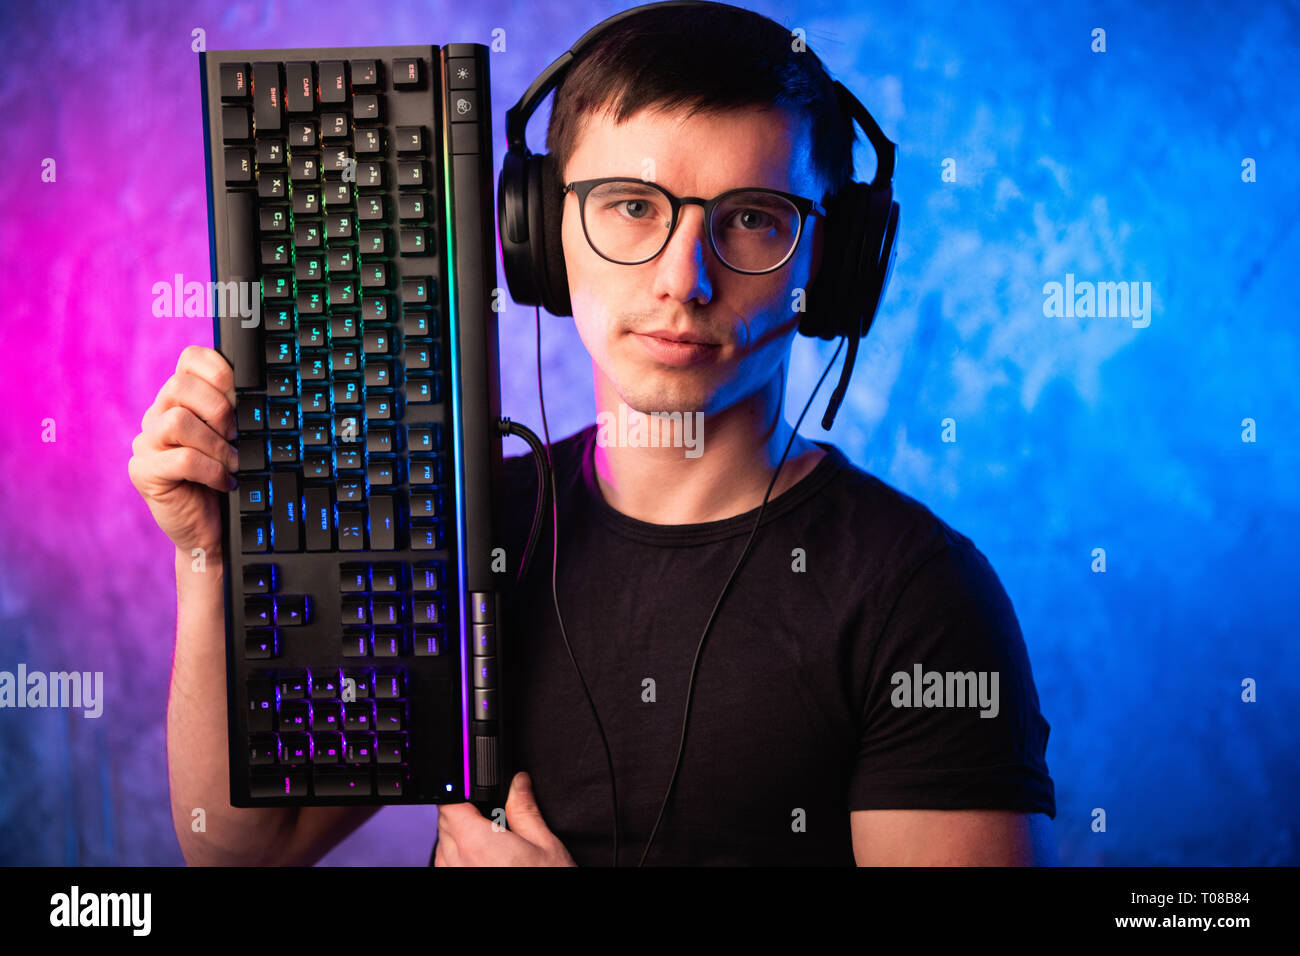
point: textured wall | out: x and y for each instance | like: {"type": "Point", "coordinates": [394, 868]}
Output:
{"type": "Point", "coordinates": [1072, 433]}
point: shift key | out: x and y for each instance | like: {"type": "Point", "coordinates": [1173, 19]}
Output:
{"type": "Point", "coordinates": [286, 512]}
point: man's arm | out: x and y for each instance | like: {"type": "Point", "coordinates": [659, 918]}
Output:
{"type": "Point", "coordinates": [952, 838]}
{"type": "Point", "coordinates": [180, 459]}
{"type": "Point", "coordinates": [198, 763]}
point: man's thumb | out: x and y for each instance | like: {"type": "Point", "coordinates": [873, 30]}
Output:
{"type": "Point", "coordinates": [522, 814]}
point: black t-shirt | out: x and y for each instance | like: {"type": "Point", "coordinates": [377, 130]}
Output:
{"type": "Point", "coordinates": [797, 717]}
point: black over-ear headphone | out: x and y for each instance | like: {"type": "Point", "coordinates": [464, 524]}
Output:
{"type": "Point", "coordinates": [858, 249]}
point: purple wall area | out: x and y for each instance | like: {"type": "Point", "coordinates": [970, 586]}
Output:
{"type": "Point", "coordinates": [1072, 434]}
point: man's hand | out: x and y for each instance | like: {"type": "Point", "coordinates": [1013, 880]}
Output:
{"type": "Point", "coordinates": [183, 452]}
{"type": "Point", "coordinates": [467, 838]}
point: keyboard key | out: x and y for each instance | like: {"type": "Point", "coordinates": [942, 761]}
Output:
{"type": "Point", "coordinates": [354, 577]}
{"type": "Point", "coordinates": [283, 783]}
{"type": "Point", "coordinates": [416, 323]}
{"type": "Point", "coordinates": [270, 152]}
{"type": "Point", "coordinates": [424, 537]}
{"type": "Point", "coordinates": [387, 642]}
{"type": "Point", "coordinates": [324, 683]}
{"type": "Point", "coordinates": [259, 612]}
{"type": "Point", "coordinates": [407, 73]}
{"type": "Point", "coordinates": [263, 750]}
{"type": "Point", "coordinates": [427, 641]}
{"type": "Point", "coordinates": [334, 126]}
{"type": "Point", "coordinates": [356, 642]}
{"type": "Point", "coordinates": [255, 534]}
{"type": "Point", "coordinates": [359, 748]}
{"type": "Point", "coordinates": [239, 167]}
{"type": "Point", "coordinates": [365, 73]}
{"type": "Point", "coordinates": [318, 518]}
{"type": "Point", "coordinates": [261, 644]}
{"type": "Point", "coordinates": [414, 242]}
{"type": "Point", "coordinates": [299, 88]}
{"type": "Point", "coordinates": [391, 748]}
{"type": "Point", "coordinates": [359, 715]}
{"type": "Point", "coordinates": [333, 82]}
{"type": "Point", "coordinates": [383, 529]}
{"type": "Point", "coordinates": [326, 715]}
{"type": "Point", "coordinates": [390, 716]}
{"type": "Point", "coordinates": [410, 172]}
{"type": "Point", "coordinates": [356, 610]}
{"type": "Point", "coordinates": [330, 782]}
{"type": "Point", "coordinates": [234, 81]}
{"type": "Point", "coordinates": [316, 464]}
{"type": "Point", "coordinates": [252, 494]}
{"type": "Point", "coordinates": [259, 578]}
{"type": "Point", "coordinates": [262, 702]}
{"type": "Point", "coordinates": [267, 98]}
{"type": "Point", "coordinates": [426, 610]}
{"type": "Point", "coordinates": [410, 139]}
{"type": "Point", "coordinates": [286, 511]}
{"type": "Point", "coordinates": [236, 124]}
{"type": "Point", "coordinates": [426, 577]}
{"type": "Point", "coordinates": [426, 504]}
{"type": "Point", "coordinates": [362, 681]}
{"type": "Point", "coordinates": [295, 717]}
{"type": "Point", "coordinates": [388, 685]}
{"type": "Point", "coordinates": [413, 207]}
{"type": "Point", "coordinates": [386, 609]}
{"type": "Point", "coordinates": [295, 748]}
{"type": "Point", "coordinates": [285, 451]}
{"type": "Point", "coordinates": [385, 577]}
{"type": "Point", "coordinates": [327, 749]}
{"type": "Point", "coordinates": [366, 108]}
{"type": "Point", "coordinates": [291, 610]}
{"type": "Point", "coordinates": [294, 686]}
{"type": "Point", "coordinates": [273, 218]}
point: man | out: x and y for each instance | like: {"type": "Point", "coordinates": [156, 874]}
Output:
{"type": "Point", "coordinates": [807, 742]}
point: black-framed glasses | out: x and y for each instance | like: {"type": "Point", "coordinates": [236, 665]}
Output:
{"type": "Point", "coordinates": [752, 230]}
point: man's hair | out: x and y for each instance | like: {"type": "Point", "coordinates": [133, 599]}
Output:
{"type": "Point", "coordinates": [705, 60]}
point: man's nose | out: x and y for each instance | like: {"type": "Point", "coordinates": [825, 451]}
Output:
{"type": "Point", "coordinates": [683, 265]}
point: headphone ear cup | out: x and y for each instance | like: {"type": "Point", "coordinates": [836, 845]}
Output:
{"type": "Point", "coordinates": [547, 240]}
{"type": "Point", "coordinates": [827, 299]}
{"type": "Point", "coordinates": [512, 227]}
{"type": "Point", "coordinates": [877, 254]}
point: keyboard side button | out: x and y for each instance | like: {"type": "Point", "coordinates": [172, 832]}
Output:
{"type": "Point", "coordinates": [480, 607]}
{"type": "Point", "coordinates": [485, 705]}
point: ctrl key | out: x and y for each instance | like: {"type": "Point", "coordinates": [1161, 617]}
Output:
{"type": "Point", "coordinates": [263, 784]}
{"type": "Point", "coordinates": [256, 533]}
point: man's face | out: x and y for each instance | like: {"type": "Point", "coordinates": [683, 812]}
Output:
{"type": "Point", "coordinates": [749, 320]}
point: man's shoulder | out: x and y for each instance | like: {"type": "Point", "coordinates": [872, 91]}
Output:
{"type": "Point", "coordinates": [871, 513]}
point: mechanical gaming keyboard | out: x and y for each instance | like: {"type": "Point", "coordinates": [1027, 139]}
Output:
{"type": "Point", "coordinates": [351, 187]}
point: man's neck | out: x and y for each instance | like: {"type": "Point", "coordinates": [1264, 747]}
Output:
{"type": "Point", "coordinates": [736, 452]}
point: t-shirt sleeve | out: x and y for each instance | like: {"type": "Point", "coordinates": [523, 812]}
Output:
{"type": "Point", "coordinates": [950, 718]}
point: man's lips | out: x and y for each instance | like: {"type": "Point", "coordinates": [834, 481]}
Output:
{"type": "Point", "coordinates": [686, 338]}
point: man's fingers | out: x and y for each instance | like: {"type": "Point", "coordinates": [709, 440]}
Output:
{"type": "Point", "coordinates": [185, 464]}
{"type": "Point", "coordinates": [211, 366]}
{"type": "Point", "coordinates": [180, 427]}
{"type": "Point", "coordinates": [200, 397]}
